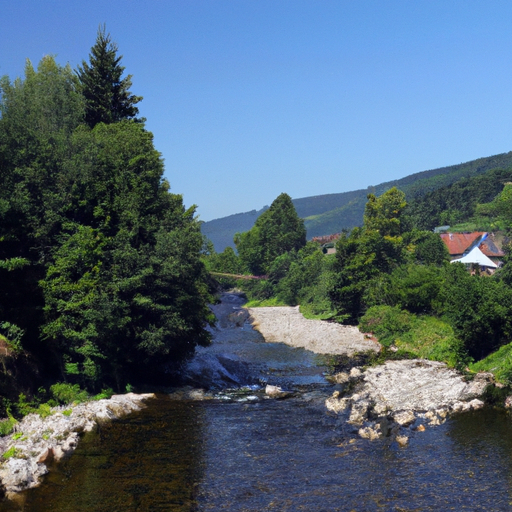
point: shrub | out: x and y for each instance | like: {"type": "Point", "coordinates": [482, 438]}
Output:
{"type": "Point", "coordinates": [7, 426]}
{"type": "Point", "coordinates": [388, 323]}
{"type": "Point", "coordinates": [105, 393]}
{"type": "Point", "coordinates": [66, 393]}
{"type": "Point", "coordinates": [415, 336]}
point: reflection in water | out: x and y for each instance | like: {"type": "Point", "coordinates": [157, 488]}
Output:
{"type": "Point", "coordinates": [273, 455]}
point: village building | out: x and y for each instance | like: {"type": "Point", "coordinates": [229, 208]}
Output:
{"type": "Point", "coordinates": [327, 242]}
{"type": "Point", "coordinates": [476, 248]}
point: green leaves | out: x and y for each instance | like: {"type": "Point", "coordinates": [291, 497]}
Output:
{"type": "Point", "coordinates": [277, 231]}
{"type": "Point", "coordinates": [367, 253]}
{"type": "Point", "coordinates": [97, 257]}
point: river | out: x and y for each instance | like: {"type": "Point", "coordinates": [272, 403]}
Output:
{"type": "Point", "coordinates": [241, 451]}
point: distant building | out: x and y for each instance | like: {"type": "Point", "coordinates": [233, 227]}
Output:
{"type": "Point", "coordinates": [461, 245]}
{"type": "Point", "coordinates": [327, 242]}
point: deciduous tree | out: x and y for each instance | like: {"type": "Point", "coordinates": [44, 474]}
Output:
{"type": "Point", "coordinates": [277, 231]}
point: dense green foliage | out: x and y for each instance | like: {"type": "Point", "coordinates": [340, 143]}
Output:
{"type": "Point", "coordinates": [276, 232]}
{"type": "Point", "coordinates": [107, 96]}
{"type": "Point", "coordinates": [101, 277]}
{"type": "Point", "coordinates": [395, 280]}
{"type": "Point", "coordinates": [367, 253]}
{"type": "Point", "coordinates": [457, 202]}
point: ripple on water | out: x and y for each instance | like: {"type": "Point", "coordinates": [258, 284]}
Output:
{"type": "Point", "coordinates": [277, 455]}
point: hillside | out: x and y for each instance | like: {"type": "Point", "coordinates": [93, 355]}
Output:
{"type": "Point", "coordinates": [331, 213]}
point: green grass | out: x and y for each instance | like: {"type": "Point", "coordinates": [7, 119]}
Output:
{"type": "Point", "coordinates": [499, 363]}
{"type": "Point", "coordinates": [422, 336]}
{"type": "Point", "coordinates": [261, 303]}
{"type": "Point", "coordinates": [11, 452]}
{"type": "Point", "coordinates": [313, 311]}
{"type": "Point", "coordinates": [479, 224]}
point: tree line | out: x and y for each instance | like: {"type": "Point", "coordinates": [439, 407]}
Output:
{"type": "Point", "coordinates": [388, 276]}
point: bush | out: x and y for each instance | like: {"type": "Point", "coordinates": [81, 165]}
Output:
{"type": "Point", "coordinates": [7, 426]}
{"type": "Point", "coordinates": [66, 393]}
{"type": "Point", "coordinates": [105, 393]}
{"type": "Point", "coordinates": [388, 323]}
{"type": "Point", "coordinates": [417, 336]}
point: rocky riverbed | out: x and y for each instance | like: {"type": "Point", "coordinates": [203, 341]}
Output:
{"type": "Point", "coordinates": [274, 353]}
{"type": "Point", "coordinates": [400, 397]}
{"type": "Point", "coordinates": [37, 442]}
{"type": "Point", "coordinates": [288, 325]}
{"type": "Point", "coordinates": [393, 399]}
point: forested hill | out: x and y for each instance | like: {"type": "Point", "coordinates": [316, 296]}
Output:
{"type": "Point", "coordinates": [330, 213]}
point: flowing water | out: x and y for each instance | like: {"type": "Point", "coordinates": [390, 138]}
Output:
{"type": "Point", "coordinates": [273, 455]}
{"type": "Point", "coordinates": [244, 452]}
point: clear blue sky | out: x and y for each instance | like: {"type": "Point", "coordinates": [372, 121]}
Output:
{"type": "Point", "coordinates": [251, 98]}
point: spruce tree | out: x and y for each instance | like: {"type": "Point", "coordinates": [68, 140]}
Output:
{"type": "Point", "coordinates": [107, 95]}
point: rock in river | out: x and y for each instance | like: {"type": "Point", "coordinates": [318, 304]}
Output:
{"type": "Point", "coordinates": [404, 391]}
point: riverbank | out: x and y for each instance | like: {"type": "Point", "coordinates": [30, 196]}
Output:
{"type": "Point", "coordinates": [395, 398]}
{"type": "Point", "coordinates": [37, 442]}
{"type": "Point", "coordinates": [288, 325]}
{"type": "Point", "coordinates": [272, 349]}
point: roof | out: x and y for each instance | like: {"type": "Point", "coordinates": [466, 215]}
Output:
{"type": "Point", "coordinates": [322, 240]}
{"type": "Point", "coordinates": [458, 243]}
{"type": "Point", "coordinates": [476, 256]}
{"type": "Point", "coordinates": [489, 248]}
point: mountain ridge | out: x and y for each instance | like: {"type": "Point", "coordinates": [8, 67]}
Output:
{"type": "Point", "coordinates": [331, 213]}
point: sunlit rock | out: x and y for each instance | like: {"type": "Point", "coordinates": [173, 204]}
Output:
{"type": "Point", "coordinates": [55, 437]}
{"type": "Point", "coordinates": [276, 392]}
{"type": "Point", "coordinates": [404, 418]}
{"type": "Point", "coordinates": [402, 440]}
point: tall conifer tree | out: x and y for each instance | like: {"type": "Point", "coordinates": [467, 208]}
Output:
{"type": "Point", "coordinates": [107, 95]}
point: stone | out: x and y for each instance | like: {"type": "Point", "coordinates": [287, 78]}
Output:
{"type": "Point", "coordinates": [476, 404]}
{"type": "Point", "coordinates": [457, 407]}
{"type": "Point", "coordinates": [46, 457]}
{"type": "Point", "coordinates": [404, 418]}
{"type": "Point", "coordinates": [359, 412]}
{"type": "Point", "coordinates": [355, 373]}
{"type": "Point", "coordinates": [402, 440]}
{"type": "Point", "coordinates": [433, 418]}
{"type": "Point", "coordinates": [336, 404]}
{"type": "Point", "coordinates": [340, 378]}
{"type": "Point", "coordinates": [442, 413]}
{"type": "Point", "coordinates": [381, 409]}
{"type": "Point", "coordinates": [406, 390]}
{"type": "Point", "coordinates": [238, 317]}
{"type": "Point", "coordinates": [370, 432]}
{"type": "Point", "coordinates": [276, 392]}
{"type": "Point", "coordinates": [56, 437]}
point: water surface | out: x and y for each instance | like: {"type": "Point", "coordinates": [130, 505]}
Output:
{"type": "Point", "coordinates": [271, 455]}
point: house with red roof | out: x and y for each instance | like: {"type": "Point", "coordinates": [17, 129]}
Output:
{"type": "Point", "coordinates": [461, 244]}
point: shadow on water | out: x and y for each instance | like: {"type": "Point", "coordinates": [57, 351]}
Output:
{"type": "Point", "coordinates": [277, 455]}
{"type": "Point", "coordinates": [145, 462]}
